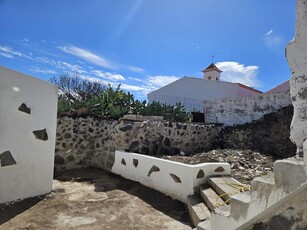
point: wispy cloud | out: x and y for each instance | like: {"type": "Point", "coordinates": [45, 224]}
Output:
{"type": "Point", "coordinates": [24, 40]}
{"type": "Point", "coordinates": [273, 40]}
{"type": "Point", "coordinates": [107, 75]}
{"type": "Point", "coordinates": [50, 65]}
{"type": "Point", "coordinates": [61, 65]}
{"type": "Point", "coordinates": [135, 79]}
{"type": "Point", "coordinates": [7, 55]}
{"type": "Point", "coordinates": [239, 73]}
{"type": "Point", "coordinates": [136, 69]}
{"type": "Point", "coordinates": [269, 32]}
{"type": "Point", "coordinates": [72, 67]}
{"type": "Point", "coordinates": [87, 56]}
{"type": "Point", "coordinates": [132, 87]}
{"type": "Point", "coordinates": [11, 53]}
{"type": "Point", "coordinates": [161, 80]}
{"type": "Point", "coordinates": [127, 87]}
{"type": "Point", "coordinates": [44, 71]}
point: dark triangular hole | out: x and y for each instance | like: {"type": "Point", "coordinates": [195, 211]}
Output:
{"type": "Point", "coordinates": [7, 159]}
{"type": "Point", "coordinates": [153, 169]}
{"type": "Point", "coordinates": [41, 134]}
{"type": "Point", "coordinates": [24, 108]}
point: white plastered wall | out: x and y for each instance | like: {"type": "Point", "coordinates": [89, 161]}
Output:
{"type": "Point", "coordinates": [32, 172]}
{"type": "Point", "coordinates": [240, 110]}
{"type": "Point", "coordinates": [137, 167]}
{"type": "Point", "coordinates": [297, 60]}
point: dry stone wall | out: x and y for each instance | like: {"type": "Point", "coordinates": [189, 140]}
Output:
{"type": "Point", "coordinates": [85, 142]}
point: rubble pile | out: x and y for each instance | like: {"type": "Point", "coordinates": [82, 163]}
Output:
{"type": "Point", "coordinates": [245, 164]}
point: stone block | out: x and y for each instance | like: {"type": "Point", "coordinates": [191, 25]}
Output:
{"type": "Point", "coordinates": [224, 185]}
{"type": "Point", "coordinates": [211, 198]}
{"type": "Point", "coordinates": [290, 173]}
{"type": "Point", "coordinates": [205, 225]}
{"type": "Point", "coordinates": [239, 204]}
{"type": "Point", "coordinates": [197, 209]}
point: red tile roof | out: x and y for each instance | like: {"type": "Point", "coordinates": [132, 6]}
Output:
{"type": "Point", "coordinates": [212, 67]}
{"type": "Point", "coordinates": [249, 88]}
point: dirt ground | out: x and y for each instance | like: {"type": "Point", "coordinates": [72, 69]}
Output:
{"type": "Point", "coordinates": [95, 199]}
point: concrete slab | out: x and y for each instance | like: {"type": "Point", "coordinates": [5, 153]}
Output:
{"type": "Point", "coordinates": [239, 204]}
{"type": "Point", "coordinates": [290, 173]}
{"type": "Point", "coordinates": [225, 185]}
{"type": "Point", "coordinates": [211, 198]}
{"type": "Point", "coordinates": [205, 225]}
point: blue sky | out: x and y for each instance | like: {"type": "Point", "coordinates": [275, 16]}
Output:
{"type": "Point", "coordinates": [145, 44]}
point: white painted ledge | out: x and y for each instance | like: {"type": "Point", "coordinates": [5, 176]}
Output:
{"type": "Point", "coordinates": [174, 179]}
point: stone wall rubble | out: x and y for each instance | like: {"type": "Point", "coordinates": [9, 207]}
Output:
{"type": "Point", "coordinates": [83, 142]}
{"type": "Point", "coordinates": [269, 135]}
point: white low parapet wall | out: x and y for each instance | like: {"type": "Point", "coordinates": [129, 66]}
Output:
{"type": "Point", "coordinates": [174, 179]}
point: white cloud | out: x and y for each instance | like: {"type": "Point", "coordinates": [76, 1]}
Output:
{"type": "Point", "coordinates": [7, 55]}
{"type": "Point", "coordinates": [132, 87]}
{"type": "Point", "coordinates": [272, 40]}
{"type": "Point", "coordinates": [135, 79]}
{"type": "Point", "coordinates": [93, 79]}
{"type": "Point", "coordinates": [10, 53]}
{"type": "Point", "coordinates": [269, 32]}
{"type": "Point", "coordinates": [239, 73]}
{"type": "Point", "coordinates": [24, 40]}
{"type": "Point", "coordinates": [71, 67]}
{"type": "Point", "coordinates": [136, 69]}
{"type": "Point", "coordinates": [109, 76]}
{"type": "Point", "coordinates": [160, 80]}
{"type": "Point", "coordinates": [61, 65]}
{"type": "Point", "coordinates": [43, 41]}
{"type": "Point", "coordinates": [87, 55]}
{"type": "Point", "coordinates": [44, 71]}
{"type": "Point", "coordinates": [154, 82]}
{"type": "Point", "coordinates": [115, 84]}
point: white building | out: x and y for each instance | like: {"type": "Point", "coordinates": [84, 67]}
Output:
{"type": "Point", "coordinates": [283, 87]}
{"type": "Point", "coordinates": [191, 91]}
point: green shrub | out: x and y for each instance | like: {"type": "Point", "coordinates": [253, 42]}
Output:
{"type": "Point", "coordinates": [79, 97]}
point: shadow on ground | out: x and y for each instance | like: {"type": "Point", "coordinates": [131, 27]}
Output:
{"type": "Point", "coordinates": [12, 209]}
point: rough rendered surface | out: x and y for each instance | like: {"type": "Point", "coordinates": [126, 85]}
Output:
{"type": "Point", "coordinates": [297, 59]}
{"type": "Point", "coordinates": [291, 215]}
